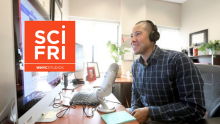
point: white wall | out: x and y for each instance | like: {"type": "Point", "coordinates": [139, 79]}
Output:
{"type": "Point", "coordinates": [65, 10]}
{"type": "Point", "coordinates": [132, 11]}
{"type": "Point", "coordinates": [7, 71]}
{"type": "Point", "coordinates": [198, 15]}
{"type": "Point", "coordinates": [99, 9]}
{"type": "Point", "coordinates": [161, 12]}
{"type": "Point", "coordinates": [164, 13]}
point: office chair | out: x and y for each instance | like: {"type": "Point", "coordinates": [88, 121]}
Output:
{"type": "Point", "coordinates": [211, 76]}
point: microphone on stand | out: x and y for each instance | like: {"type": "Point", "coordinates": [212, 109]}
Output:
{"type": "Point", "coordinates": [106, 89]}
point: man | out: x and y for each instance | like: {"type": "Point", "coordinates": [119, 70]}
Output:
{"type": "Point", "coordinates": [166, 86]}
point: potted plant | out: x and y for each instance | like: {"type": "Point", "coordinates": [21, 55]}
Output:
{"type": "Point", "coordinates": [116, 53]}
{"type": "Point", "coordinates": [212, 47]}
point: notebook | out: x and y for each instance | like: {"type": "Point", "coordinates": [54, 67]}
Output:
{"type": "Point", "coordinates": [117, 117]}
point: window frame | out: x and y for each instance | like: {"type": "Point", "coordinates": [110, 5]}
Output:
{"type": "Point", "coordinates": [117, 23]}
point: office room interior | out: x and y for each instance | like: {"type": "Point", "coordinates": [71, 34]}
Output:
{"type": "Point", "coordinates": [176, 20]}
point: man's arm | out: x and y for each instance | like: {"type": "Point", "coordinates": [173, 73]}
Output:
{"type": "Point", "coordinates": [135, 96]}
{"type": "Point", "coordinates": [190, 87]}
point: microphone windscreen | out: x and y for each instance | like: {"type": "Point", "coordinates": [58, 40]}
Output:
{"type": "Point", "coordinates": [114, 67]}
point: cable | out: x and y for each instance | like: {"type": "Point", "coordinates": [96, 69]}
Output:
{"type": "Point", "coordinates": [68, 106]}
{"type": "Point", "coordinates": [59, 95]}
{"type": "Point", "coordinates": [93, 109]}
{"type": "Point", "coordinates": [63, 113]}
{"type": "Point", "coordinates": [114, 102]}
{"type": "Point", "coordinates": [60, 105]}
{"type": "Point", "coordinates": [57, 105]}
{"type": "Point", "coordinates": [65, 96]}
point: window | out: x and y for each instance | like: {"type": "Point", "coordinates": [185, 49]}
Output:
{"type": "Point", "coordinates": [169, 39]}
{"type": "Point", "coordinates": [95, 34]}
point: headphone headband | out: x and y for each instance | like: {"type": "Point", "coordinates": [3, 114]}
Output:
{"type": "Point", "coordinates": [154, 35]}
{"type": "Point", "coordinates": [154, 27]}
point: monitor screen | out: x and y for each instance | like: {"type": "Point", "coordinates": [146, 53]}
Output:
{"type": "Point", "coordinates": [78, 57]}
{"type": "Point", "coordinates": [35, 90]}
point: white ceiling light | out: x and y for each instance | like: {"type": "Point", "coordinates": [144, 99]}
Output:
{"type": "Point", "coordinates": [176, 1]}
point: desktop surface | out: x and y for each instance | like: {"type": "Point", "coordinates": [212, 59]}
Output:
{"type": "Point", "coordinates": [124, 80]}
{"type": "Point", "coordinates": [77, 116]}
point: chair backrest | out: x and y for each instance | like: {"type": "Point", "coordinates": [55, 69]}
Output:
{"type": "Point", "coordinates": [211, 76]}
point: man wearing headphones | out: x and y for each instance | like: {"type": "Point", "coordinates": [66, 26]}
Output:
{"type": "Point", "coordinates": [167, 86]}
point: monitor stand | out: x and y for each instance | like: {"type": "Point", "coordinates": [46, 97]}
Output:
{"type": "Point", "coordinates": [49, 115]}
{"type": "Point", "coordinates": [73, 84]}
{"type": "Point", "coordinates": [12, 114]}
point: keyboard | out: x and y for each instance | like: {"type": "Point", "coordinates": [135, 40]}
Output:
{"type": "Point", "coordinates": [85, 97]}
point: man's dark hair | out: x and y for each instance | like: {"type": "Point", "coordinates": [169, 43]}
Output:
{"type": "Point", "coordinates": [148, 26]}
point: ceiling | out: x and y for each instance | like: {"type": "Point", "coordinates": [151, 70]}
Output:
{"type": "Point", "coordinates": [176, 1]}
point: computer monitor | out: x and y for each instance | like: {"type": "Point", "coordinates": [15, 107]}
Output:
{"type": "Point", "coordinates": [78, 57]}
{"type": "Point", "coordinates": [79, 66]}
{"type": "Point", "coordinates": [35, 90]}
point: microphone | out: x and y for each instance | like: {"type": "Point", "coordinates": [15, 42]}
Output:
{"type": "Point", "coordinates": [106, 89]}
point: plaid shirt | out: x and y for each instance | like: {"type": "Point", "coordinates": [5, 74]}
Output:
{"type": "Point", "coordinates": [170, 85]}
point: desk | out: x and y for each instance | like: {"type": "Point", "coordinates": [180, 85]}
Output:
{"type": "Point", "coordinates": [124, 80]}
{"type": "Point", "coordinates": [76, 116]}
{"type": "Point", "coordinates": [122, 90]}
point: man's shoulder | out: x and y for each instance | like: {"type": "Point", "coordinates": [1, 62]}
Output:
{"type": "Point", "coordinates": [136, 62]}
{"type": "Point", "coordinates": [172, 54]}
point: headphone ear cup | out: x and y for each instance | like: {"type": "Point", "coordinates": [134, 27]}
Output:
{"type": "Point", "coordinates": [151, 37]}
{"type": "Point", "coordinates": [154, 36]}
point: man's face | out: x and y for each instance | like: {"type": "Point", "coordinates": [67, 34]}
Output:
{"type": "Point", "coordinates": [140, 41]}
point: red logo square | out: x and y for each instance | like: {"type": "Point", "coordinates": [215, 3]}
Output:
{"type": "Point", "coordinates": [49, 46]}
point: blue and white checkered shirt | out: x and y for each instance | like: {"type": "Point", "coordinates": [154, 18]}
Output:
{"type": "Point", "coordinates": [170, 85]}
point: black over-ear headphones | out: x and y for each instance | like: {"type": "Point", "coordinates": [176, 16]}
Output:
{"type": "Point", "coordinates": [154, 35]}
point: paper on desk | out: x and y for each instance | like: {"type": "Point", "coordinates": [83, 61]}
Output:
{"type": "Point", "coordinates": [117, 117]}
{"type": "Point", "coordinates": [50, 114]}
